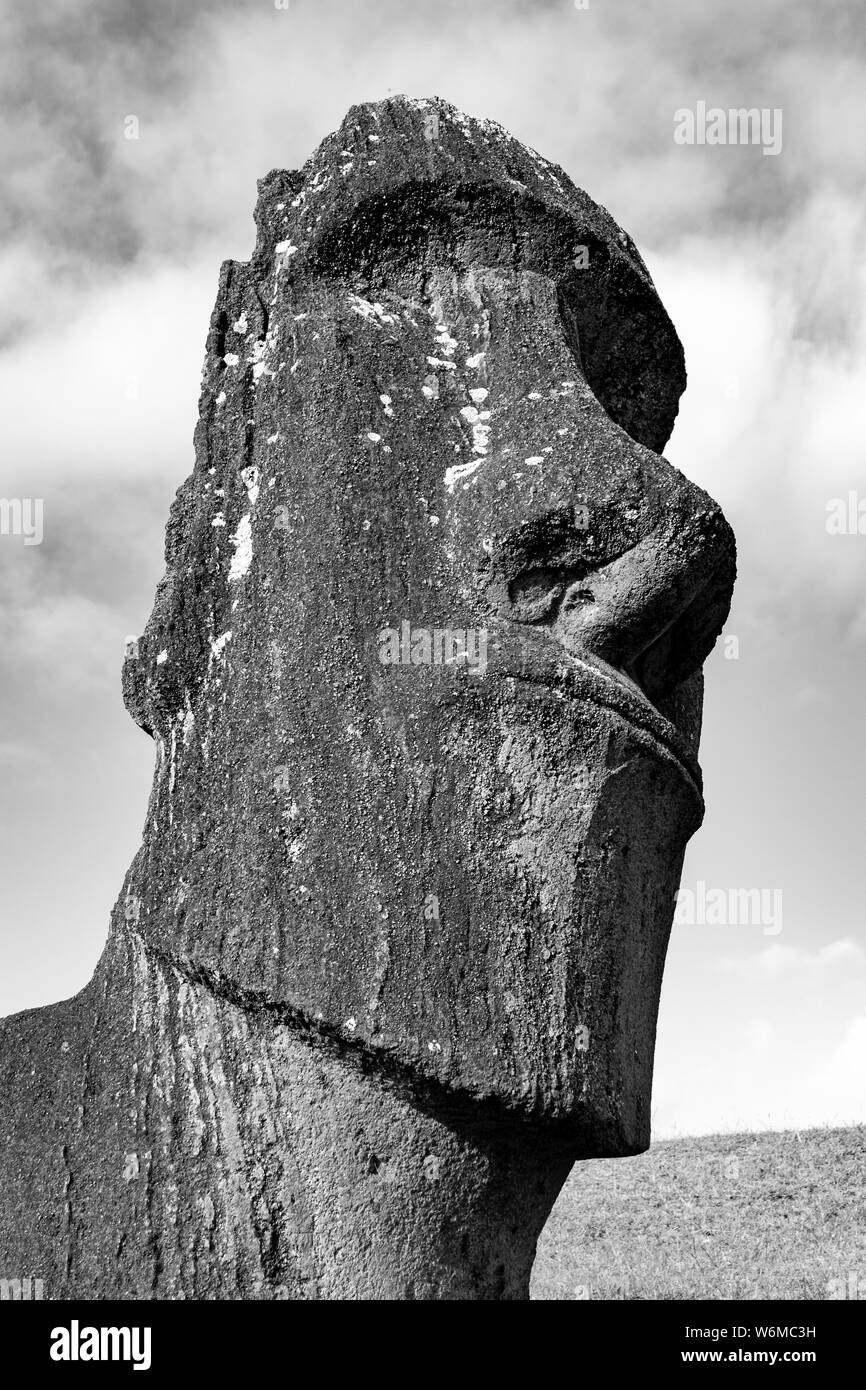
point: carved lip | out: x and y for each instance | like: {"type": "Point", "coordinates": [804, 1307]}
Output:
{"type": "Point", "coordinates": [608, 686]}
{"type": "Point", "coordinates": [588, 677]}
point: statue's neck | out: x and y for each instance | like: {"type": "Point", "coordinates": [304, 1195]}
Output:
{"type": "Point", "coordinates": [268, 1167]}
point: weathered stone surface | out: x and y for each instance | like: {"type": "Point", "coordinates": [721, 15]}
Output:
{"type": "Point", "coordinates": [389, 958]}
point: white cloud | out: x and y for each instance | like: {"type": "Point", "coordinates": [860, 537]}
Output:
{"type": "Point", "coordinates": [777, 960]}
{"type": "Point", "coordinates": [111, 389]}
{"type": "Point", "coordinates": [804, 1073]}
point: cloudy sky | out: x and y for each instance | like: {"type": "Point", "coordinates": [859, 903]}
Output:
{"type": "Point", "coordinates": [108, 271]}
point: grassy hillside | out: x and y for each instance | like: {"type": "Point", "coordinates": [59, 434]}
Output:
{"type": "Point", "coordinates": [727, 1216]}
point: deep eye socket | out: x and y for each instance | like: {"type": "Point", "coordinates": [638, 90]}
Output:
{"type": "Point", "coordinates": [534, 594]}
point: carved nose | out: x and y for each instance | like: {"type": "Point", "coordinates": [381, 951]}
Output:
{"type": "Point", "coordinates": [656, 610]}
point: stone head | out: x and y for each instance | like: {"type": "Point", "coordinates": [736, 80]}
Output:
{"type": "Point", "coordinates": [424, 669]}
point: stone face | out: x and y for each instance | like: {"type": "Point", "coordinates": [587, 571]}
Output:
{"type": "Point", "coordinates": [423, 675]}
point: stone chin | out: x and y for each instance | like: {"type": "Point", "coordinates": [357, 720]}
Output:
{"type": "Point", "coordinates": [477, 902]}
{"type": "Point", "coordinates": [560, 802]}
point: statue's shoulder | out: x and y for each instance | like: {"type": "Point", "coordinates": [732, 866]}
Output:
{"type": "Point", "coordinates": [41, 1050]}
{"type": "Point", "coordinates": [41, 1054]}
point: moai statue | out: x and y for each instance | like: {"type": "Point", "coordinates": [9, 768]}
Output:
{"type": "Point", "coordinates": [424, 681]}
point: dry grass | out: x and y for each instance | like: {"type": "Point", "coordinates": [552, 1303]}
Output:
{"type": "Point", "coordinates": [727, 1216]}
